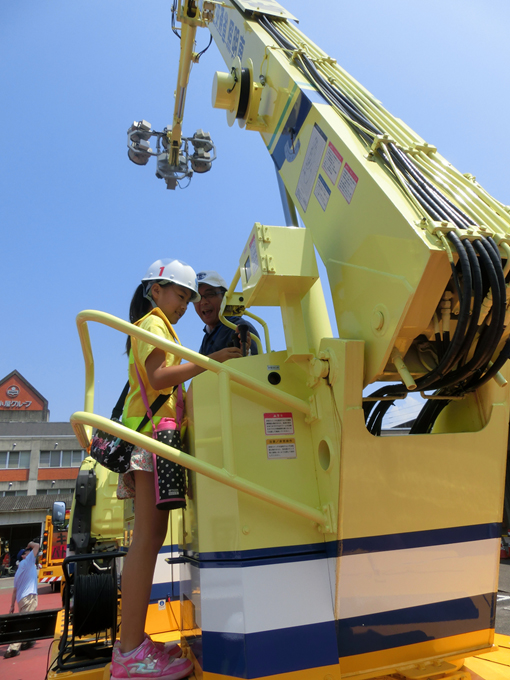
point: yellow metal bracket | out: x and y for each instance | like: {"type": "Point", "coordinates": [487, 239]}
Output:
{"type": "Point", "coordinates": [330, 512]}
{"type": "Point", "coordinates": [425, 148]}
{"type": "Point", "coordinates": [473, 233]}
{"type": "Point", "coordinates": [318, 368]}
{"type": "Point", "coordinates": [188, 12]}
{"type": "Point", "coordinates": [263, 232]}
{"type": "Point", "coordinates": [313, 415]}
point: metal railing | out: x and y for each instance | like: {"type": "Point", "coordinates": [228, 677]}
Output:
{"type": "Point", "coordinates": [84, 421]}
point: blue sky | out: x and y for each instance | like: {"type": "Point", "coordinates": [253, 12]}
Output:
{"type": "Point", "coordinates": [80, 223]}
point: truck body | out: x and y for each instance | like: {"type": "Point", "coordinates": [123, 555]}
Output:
{"type": "Point", "coordinates": [53, 552]}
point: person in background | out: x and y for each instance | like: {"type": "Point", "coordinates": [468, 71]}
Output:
{"type": "Point", "coordinates": [6, 563]}
{"type": "Point", "coordinates": [24, 591]}
{"type": "Point", "coordinates": [212, 287]}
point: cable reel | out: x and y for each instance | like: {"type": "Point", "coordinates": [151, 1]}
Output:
{"type": "Point", "coordinates": [95, 603]}
{"type": "Point", "coordinates": [239, 95]}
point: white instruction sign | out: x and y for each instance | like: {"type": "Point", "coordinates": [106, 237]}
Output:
{"type": "Point", "coordinates": [281, 448]}
{"type": "Point", "coordinates": [322, 192]}
{"type": "Point", "coordinates": [278, 423]}
{"type": "Point", "coordinates": [311, 166]}
{"type": "Point", "coordinates": [347, 183]}
{"type": "Point", "coordinates": [332, 163]}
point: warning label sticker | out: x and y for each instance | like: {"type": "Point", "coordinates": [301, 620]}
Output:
{"type": "Point", "coordinates": [310, 166]}
{"type": "Point", "coordinates": [281, 448]}
{"type": "Point", "coordinates": [322, 192]}
{"type": "Point", "coordinates": [347, 183]}
{"type": "Point", "coordinates": [278, 423]}
{"type": "Point", "coordinates": [332, 163]}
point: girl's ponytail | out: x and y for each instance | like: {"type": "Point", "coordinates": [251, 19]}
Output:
{"type": "Point", "coordinates": [139, 307]}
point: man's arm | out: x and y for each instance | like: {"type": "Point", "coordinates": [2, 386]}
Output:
{"type": "Point", "coordinates": [13, 601]}
{"type": "Point", "coordinates": [34, 547]}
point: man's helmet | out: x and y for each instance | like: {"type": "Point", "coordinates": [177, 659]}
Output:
{"type": "Point", "coordinates": [174, 271]}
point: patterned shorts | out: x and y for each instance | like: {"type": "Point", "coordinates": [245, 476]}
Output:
{"type": "Point", "coordinates": [140, 460]}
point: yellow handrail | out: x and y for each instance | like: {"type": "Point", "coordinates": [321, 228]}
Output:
{"type": "Point", "coordinates": [178, 350]}
{"type": "Point", "coordinates": [264, 326]}
{"type": "Point", "coordinates": [80, 418]}
{"type": "Point", "coordinates": [83, 422]}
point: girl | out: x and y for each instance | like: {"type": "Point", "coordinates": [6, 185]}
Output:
{"type": "Point", "coordinates": [158, 303]}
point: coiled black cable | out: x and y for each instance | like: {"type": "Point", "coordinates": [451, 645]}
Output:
{"type": "Point", "coordinates": [95, 602]}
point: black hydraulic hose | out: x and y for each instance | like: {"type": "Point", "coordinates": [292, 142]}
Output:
{"type": "Point", "coordinates": [439, 346]}
{"type": "Point", "coordinates": [308, 68]}
{"type": "Point", "coordinates": [469, 368]}
{"type": "Point", "coordinates": [497, 284]}
{"type": "Point", "coordinates": [375, 425]}
{"type": "Point", "coordinates": [387, 390]}
{"type": "Point", "coordinates": [504, 355]}
{"type": "Point", "coordinates": [493, 252]}
{"type": "Point", "coordinates": [491, 336]}
{"type": "Point", "coordinates": [459, 218]}
{"type": "Point", "coordinates": [477, 297]}
{"type": "Point", "coordinates": [450, 357]}
{"type": "Point", "coordinates": [428, 416]}
{"type": "Point", "coordinates": [456, 282]}
{"type": "Point", "coordinates": [421, 189]}
{"type": "Point", "coordinates": [334, 92]}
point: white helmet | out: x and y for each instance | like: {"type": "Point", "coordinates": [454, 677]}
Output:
{"type": "Point", "coordinates": [174, 271]}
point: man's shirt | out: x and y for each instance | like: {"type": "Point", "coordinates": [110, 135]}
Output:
{"type": "Point", "coordinates": [25, 579]}
{"type": "Point", "coordinates": [221, 336]}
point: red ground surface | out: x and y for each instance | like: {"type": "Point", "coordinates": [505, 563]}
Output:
{"type": "Point", "coordinates": [30, 664]}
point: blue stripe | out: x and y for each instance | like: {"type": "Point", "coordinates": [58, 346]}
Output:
{"type": "Point", "coordinates": [292, 127]}
{"type": "Point", "coordinates": [243, 558]}
{"type": "Point", "coordinates": [387, 630]}
{"type": "Point", "coordinates": [270, 652]}
{"type": "Point", "coordinates": [169, 549]}
{"type": "Point", "coordinates": [165, 591]}
{"type": "Point", "coordinates": [349, 546]}
{"type": "Point", "coordinates": [419, 539]}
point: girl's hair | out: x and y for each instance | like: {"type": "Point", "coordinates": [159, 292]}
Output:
{"type": "Point", "coordinates": [139, 307]}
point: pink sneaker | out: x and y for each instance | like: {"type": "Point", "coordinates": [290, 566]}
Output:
{"type": "Point", "coordinates": [148, 661]}
{"type": "Point", "coordinates": [171, 649]}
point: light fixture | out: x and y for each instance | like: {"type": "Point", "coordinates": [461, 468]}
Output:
{"type": "Point", "coordinates": [200, 161]}
{"type": "Point", "coordinates": [139, 150]}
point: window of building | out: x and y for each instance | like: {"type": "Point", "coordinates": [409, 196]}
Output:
{"type": "Point", "coordinates": [14, 459]}
{"type": "Point", "coordinates": [54, 459]}
{"type": "Point", "coordinates": [19, 492]}
{"type": "Point", "coordinates": [52, 492]}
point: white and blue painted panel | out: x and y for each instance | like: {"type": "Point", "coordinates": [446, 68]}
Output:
{"type": "Point", "coordinates": [275, 611]}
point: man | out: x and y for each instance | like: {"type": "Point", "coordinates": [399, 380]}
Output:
{"type": "Point", "coordinates": [24, 591]}
{"type": "Point", "coordinates": [212, 287]}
